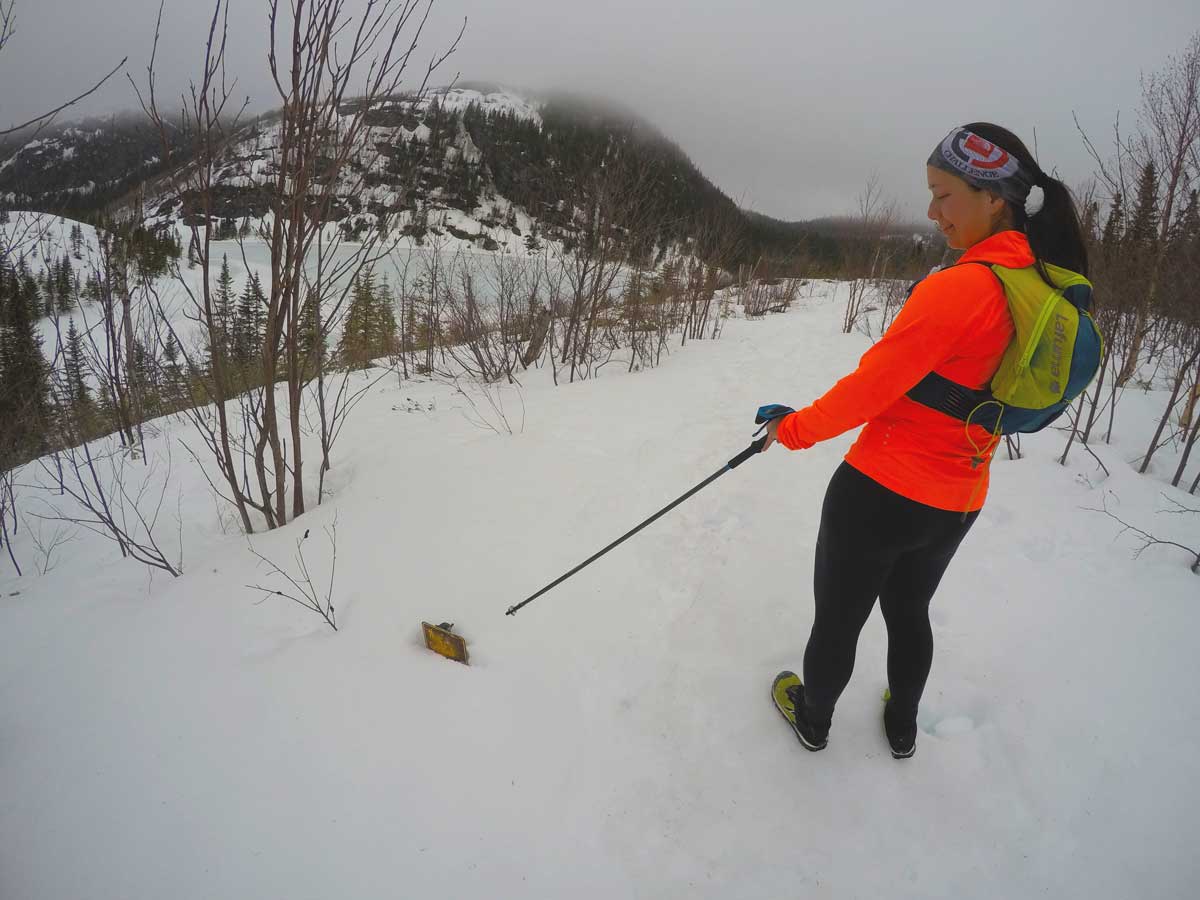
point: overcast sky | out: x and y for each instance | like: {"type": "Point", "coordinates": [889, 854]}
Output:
{"type": "Point", "coordinates": [787, 105]}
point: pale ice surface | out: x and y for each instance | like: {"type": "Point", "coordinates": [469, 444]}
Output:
{"type": "Point", "coordinates": [176, 738]}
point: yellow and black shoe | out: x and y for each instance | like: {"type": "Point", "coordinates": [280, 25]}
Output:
{"type": "Point", "coordinates": [901, 730]}
{"type": "Point", "coordinates": [788, 694]}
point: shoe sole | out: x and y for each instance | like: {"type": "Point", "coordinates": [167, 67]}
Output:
{"type": "Point", "coordinates": [803, 741]}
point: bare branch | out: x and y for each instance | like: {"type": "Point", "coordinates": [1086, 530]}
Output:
{"type": "Point", "coordinates": [45, 118]}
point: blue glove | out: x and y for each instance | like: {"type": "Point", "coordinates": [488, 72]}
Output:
{"type": "Point", "coordinates": [769, 413]}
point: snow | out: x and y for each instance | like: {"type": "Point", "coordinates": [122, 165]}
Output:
{"type": "Point", "coordinates": [500, 101]}
{"type": "Point", "coordinates": [178, 738]}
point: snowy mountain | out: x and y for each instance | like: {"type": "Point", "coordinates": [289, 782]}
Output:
{"type": "Point", "coordinates": [475, 163]}
{"type": "Point", "coordinates": [194, 737]}
{"type": "Point", "coordinates": [80, 168]}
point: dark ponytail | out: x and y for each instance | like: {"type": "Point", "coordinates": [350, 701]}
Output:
{"type": "Point", "coordinates": [1054, 232]}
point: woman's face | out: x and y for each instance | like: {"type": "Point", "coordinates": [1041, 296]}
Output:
{"type": "Point", "coordinates": [964, 215]}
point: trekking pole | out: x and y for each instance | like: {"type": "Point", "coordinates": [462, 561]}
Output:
{"type": "Point", "coordinates": [754, 448]}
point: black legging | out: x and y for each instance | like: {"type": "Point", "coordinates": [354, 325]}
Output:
{"type": "Point", "coordinates": [875, 543]}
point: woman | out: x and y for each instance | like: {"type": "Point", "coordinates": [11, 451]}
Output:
{"type": "Point", "coordinates": [913, 483]}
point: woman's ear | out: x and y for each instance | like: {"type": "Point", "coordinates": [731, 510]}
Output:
{"type": "Point", "coordinates": [998, 209]}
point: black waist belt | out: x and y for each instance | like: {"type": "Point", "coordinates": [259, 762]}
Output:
{"type": "Point", "coordinates": [962, 403]}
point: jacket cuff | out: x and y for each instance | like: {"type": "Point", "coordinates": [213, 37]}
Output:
{"type": "Point", "coordinates": [788, 433]}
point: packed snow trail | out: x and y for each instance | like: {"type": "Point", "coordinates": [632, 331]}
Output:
{"type": "Point", "coordinates": [177, 738]}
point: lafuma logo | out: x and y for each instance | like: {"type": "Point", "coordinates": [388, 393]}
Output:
{"type": "Point", "coordinates": [1058, 347]}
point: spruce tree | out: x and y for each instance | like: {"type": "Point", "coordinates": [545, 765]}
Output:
{"type": "Point", "coordinates": [1114, 227]}
{"type": "Point", "coordinates": [91, 288]}
{"type": "Point", "coordinates": [222, 314]}
{"type": "Point", "coordinates": [144, 372]}
{"type": "Point", "coordinates": [79, 402]}
{"type": "Point", "coordinates": [250, 319]}
{"type": "Point", "coordinates": [75, 365]}
{"type": "Point", "coordinates": [1141, 237]}
{"type": "Point", "coordinates": [370, 327]}
{"type": "Point", "coordinates": [311, 340]}
{"type": "Point", "coordinates": [174, 382]}
{"type": "Point", "coordinates": [45, 289]}
{"type": "Point", "coordinates": [64, 280]}
{"type": "Point", "coordinates": [24, 382]}
{"type": "Point", "coordinates": [354, 346]}
{"type": "Point", "coordinates": [384, 321]}
{"type": "Point", "coordinates": [1186, 230]}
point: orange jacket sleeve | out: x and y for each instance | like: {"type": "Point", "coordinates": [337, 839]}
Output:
{"type": "Point", "coordinates": [940, 311]}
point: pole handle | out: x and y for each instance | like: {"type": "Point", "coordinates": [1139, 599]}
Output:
{"type": "Point", "coordinates": [750, 451]}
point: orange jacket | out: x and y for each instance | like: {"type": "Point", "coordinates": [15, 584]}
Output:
{"type": "Point", "coordinates": [955, 323]}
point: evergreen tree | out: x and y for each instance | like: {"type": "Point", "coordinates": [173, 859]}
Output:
{"type": "Point", "coordinates": [1141, 237]}
{"type": "Point", "coordinates": [311, 339]}
{"type": "Point", "coordinates": [77, 241]}
{"type": "Point", "coordinates": [79, 402]}
{"type": "Point", "coordinates": [64, 280]}
{"type": "Point", "coordinates": [354, 346]}
{"type": "Point", "coordinates": [250, 319]}
{"type": "Point", "coordinates": [1186, 230]}
{"type": "Point", "coordinates": [370, 327]}
{"type": "Point", "coordinates": [24, 382]}
{"type": "Point", "coordinates": [384, 320]}
{"type": "Point", "coordinates": [1114, 227]}
{"type": "Point", "coordinates": [1091, 218]}
{"type": "Point", "coordinates": [75, 364]}
{"type": "Point", "coordinates": [91, 288]}
{"type": "Point", "coordinates": [222, 314]}
{"type": "Point", "coordinates": [174, 383]}
{"type": "Point", "coordinates": [144, 372]}
{"type": "Point", "coordinates": [45, 289]}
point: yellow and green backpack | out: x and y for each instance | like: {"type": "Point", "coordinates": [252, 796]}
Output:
{"type": "Point", "coordinates": [1053, 357]}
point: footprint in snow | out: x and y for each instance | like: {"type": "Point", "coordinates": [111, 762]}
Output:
{"type": "Point", "coordinates": [953, 716]}
{"type": "Point", "coordinates": [952, 726]}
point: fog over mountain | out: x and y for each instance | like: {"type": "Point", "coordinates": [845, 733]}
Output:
{"type": "Point", "coordinates": [787, 107]}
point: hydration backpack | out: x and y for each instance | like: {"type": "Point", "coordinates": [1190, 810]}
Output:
{"type": "Point", "coordinates": [1053, 357]}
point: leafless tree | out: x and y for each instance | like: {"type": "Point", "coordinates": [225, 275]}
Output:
{"type": "Point", "coordinates": [1171, 111]}
{"type": "Point", "coordinates": [877, 214]}
{"type": "Point", "coordinates": [332, 69]}
{"type": "Point", "coordinates": [612, 216]}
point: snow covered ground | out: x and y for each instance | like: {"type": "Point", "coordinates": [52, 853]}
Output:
{"type": "Point", "coordinates": [177, 738]}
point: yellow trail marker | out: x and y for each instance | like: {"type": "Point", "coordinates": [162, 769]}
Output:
{"type": "Point", "coordinates": [440, 639]}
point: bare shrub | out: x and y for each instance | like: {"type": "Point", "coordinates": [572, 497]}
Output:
{"type": "Point", "coordinates": [300, 589]}
{"type": "Point", "coordinates": [109, 500]}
